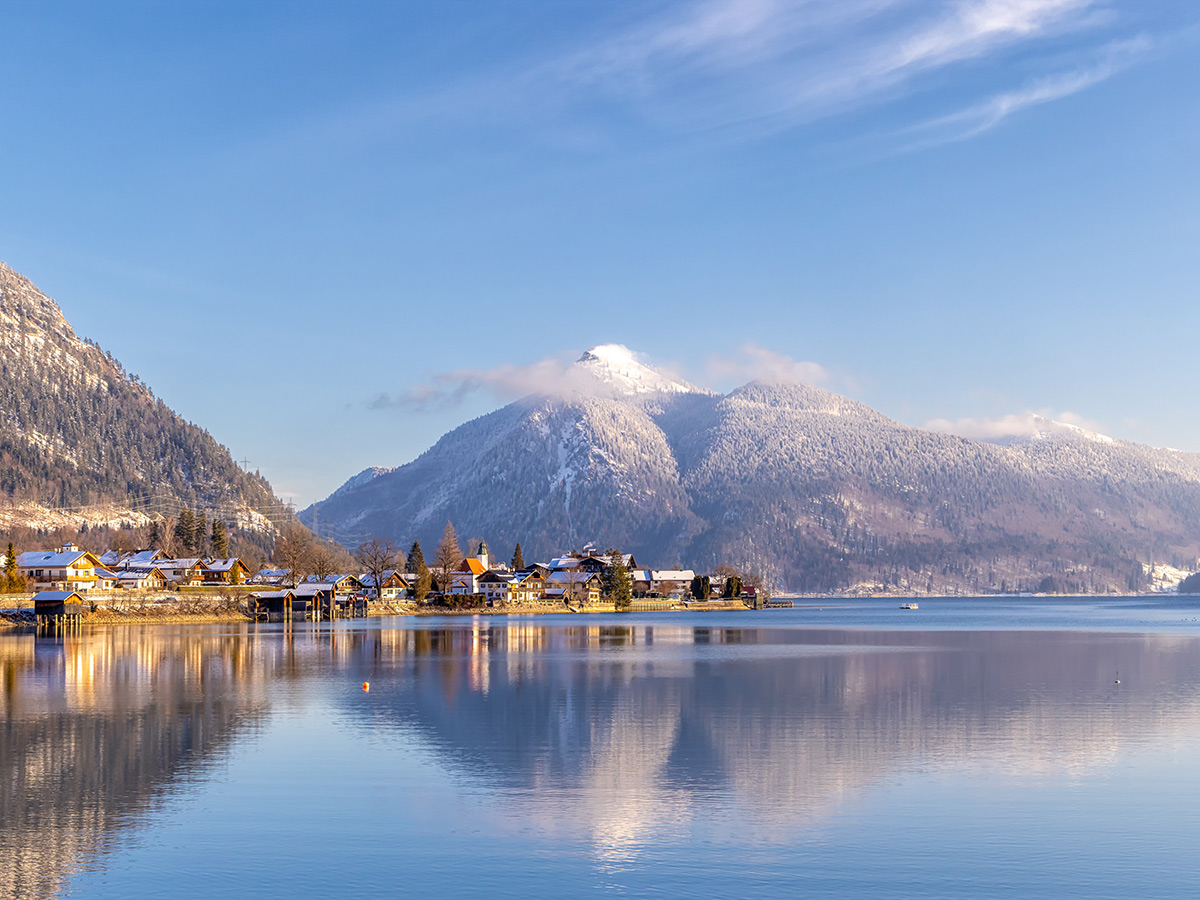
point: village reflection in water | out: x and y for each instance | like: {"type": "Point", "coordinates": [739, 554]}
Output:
{"type": "Point", "coordinates": [607, 733]}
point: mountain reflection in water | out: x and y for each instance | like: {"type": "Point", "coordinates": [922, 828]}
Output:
{"type": "Point", "coordinates": [608, 734]}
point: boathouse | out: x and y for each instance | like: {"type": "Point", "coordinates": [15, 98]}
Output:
{"type": "Point", "coordinates": [57, 607]}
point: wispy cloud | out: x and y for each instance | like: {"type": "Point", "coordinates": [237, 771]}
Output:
{"type": "Point", "coordinates": [752, 362]}
{"type": "Point", "coordinates": [727, 61]}
{"type": "Point", "coordinates": [565, 376]}
{"type": "Point", "coordinates": [554, 376]}
{"type": "Point", "coordinates": [551, 376]}
{"type": "Point", "coordinates": [981, 117]}
{"type": "Point", "coordinates": [738, 70]}
{"type": "Point", "coordinates": [1028, 424]}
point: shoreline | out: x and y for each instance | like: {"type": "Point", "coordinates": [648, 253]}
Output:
{"type": "Point", "coordinates": [215, 612]}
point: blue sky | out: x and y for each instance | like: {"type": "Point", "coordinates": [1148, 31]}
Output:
{"type": "Point", "coordinates": [288, 217]}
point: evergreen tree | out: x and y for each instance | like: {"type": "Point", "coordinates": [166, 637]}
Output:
{"type": "Point", "coordinates": [617, 581]}
{"type": "Point", "coordinates": [200, 530]}
{"type": "Point", "coordinates": [416, 560]}
{"type": "Point", "coordinates": [733, 588]}
{"type": "Point", "coordinates": [154, 535]}
{"type": "Point", "coordinates": [220, 540]}
{"type": "Point", "coordinates": [518, 560]}
{"type": "Point", "coordinates": [424, 583]}
{"type": "Point", "coordinates": [13, 583]}
{"type": "Point", "coordinates": [185, 530]}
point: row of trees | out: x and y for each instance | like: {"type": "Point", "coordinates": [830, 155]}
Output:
{"type": "Point", "coordinates": [189, 536]}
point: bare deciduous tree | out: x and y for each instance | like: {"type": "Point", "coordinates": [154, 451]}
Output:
{"type": "Point", "coordinates": [378, 556]}
{"type": "Point", "coordinates": [447, 559]}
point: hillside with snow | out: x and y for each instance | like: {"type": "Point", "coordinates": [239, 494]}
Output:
{"type": "Point", "coordinates": [816, 491]}
{"type": "Point", "coordinates": [83, 442]}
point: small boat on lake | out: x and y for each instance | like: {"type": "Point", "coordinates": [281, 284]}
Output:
{"type": "Point", "coordinates": [908, 606]}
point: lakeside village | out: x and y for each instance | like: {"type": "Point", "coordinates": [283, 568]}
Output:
{"type": "Point", "coordinates": [63, 583]}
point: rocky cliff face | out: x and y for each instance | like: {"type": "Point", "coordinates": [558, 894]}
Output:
{"type": "Point", "coordinates": [817, 491]}
{"type": "Point", "coordinates": [78, 432]}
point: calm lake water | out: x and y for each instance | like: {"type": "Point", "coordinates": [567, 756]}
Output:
{"type": "Point", "coordinates": [972, 748]}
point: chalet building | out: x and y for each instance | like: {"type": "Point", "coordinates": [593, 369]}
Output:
{"type": "Point", "coordinates": [225, 571]}
{"type": "Point", "coordinates": [189, 572]}
{"type": "Point", "coordinates": [573, 586]}
{"type": "Point", "coordinates": [67, 569]}
{"type": "Point", "coordinates": [393, 585]}
{"type": "Point", "coordinates": [661, 582]}
{"type": "Point", "coordinates": [139, 559]}
{"type": "Point", "coordinates": [516, 587]}
{"type": "Point", "coordinates": [151, 579]}
{"type": "Point", "coordinates": [271, 576]}
{"type": "Point", "coordinates": [105, 579]}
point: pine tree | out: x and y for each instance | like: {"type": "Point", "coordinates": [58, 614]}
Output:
{"type": "Point", "coordinates": [416, 560]}
{"type": "Point", "coordinates": [424, 582]}
{"type": "Point", "coordinates": [518, 560]}
{"type": "Point", "coordinates": [618, 582]}
{"type": "Point", "coordinates": [154, 535]}
{"type": "Point", "coordinates": [13, 583]}
{"type": "Point", "coordinates": [185, 530]}
{"type": "Point", "coordinates": [200, 530]}
{"type": "Point", "coordinates": [220, 540]}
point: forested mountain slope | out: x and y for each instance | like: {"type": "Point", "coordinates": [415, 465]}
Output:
{"type": "Point", "coordinates": [78, 432]}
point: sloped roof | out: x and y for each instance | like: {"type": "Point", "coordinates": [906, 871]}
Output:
{"type": "Point", "coordinates": [142, 557]}
{"type": "Point", "coordinates": [185, 563]}
{"type": "Point", "coordinates": [55, 559]}
{"type": "Point", "coordinates": [329, 579]}
{"type": "Point", "coordinates": [567, 576]}
{"type": "Point", "coordinates": [472, 565]}
{"type": "Point", "coordinates": [493, 577]}
{"type": "Point", "coordinates": [368, 580]}
{"type": "Point", "coordinates": [139, 573]}
{"type": "Point", "coordinates": [56, 596]}
{"type": "Point", "coordinates": [223, 565]}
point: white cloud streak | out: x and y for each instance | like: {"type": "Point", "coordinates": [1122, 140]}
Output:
{"type": "Point", "coordinates": [727, 61]}
{"type": "Point", "coordinates": [751, 362]}
{"type": "Point", "coordinates": [1026, 425]}
{"type": "Point", "coordinates": [982, 117]}
{"type": "Point", "coordinates": [560, 376]}
{"type": "Point", "coordinates": [552, 377]}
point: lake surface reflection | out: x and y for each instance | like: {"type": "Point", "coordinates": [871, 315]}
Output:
{"type": "Point", "coordinates": [655, 755]}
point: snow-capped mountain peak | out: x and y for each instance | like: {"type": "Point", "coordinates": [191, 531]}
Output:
{"type": "Point", "coordinates": [616, 366]}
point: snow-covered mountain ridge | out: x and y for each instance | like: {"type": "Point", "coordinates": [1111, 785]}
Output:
{"type": "Point", "coordinates": [816, 490]}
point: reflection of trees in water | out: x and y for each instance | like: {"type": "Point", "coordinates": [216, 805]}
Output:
{"type": "Point", "coordinates": [781, 722]}
{"type": "Point", "coordinates": [96, 727]}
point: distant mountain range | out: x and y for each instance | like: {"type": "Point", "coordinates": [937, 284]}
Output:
{"type": "Point", "coordinates": [815, 491]}
{"type": "Point", "coordinates": [84, 442]}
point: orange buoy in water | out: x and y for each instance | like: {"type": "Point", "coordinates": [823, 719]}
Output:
{"type": "Point", "coordinates": [366, 685]}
